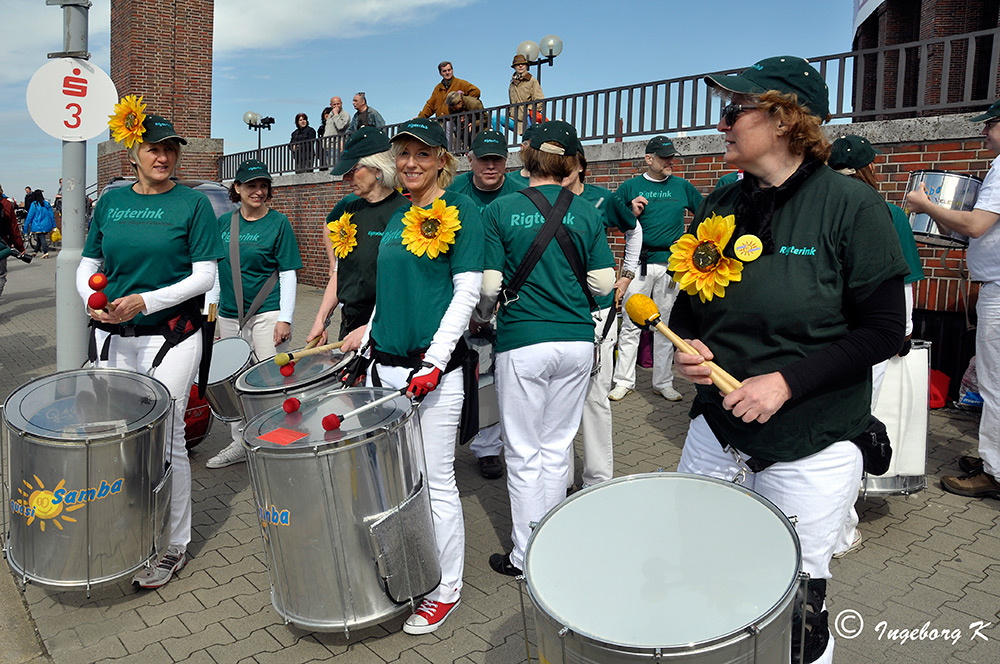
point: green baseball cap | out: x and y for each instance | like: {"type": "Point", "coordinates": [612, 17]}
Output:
{"type": "Point", "coordinates": [428, 132]}
{"type": "Point", "coordinates": [559, 132]}
{"type": "Point", "coordinates": [661, 147]}
{"type": "Point", "coordinates": [158, 129]}
{"type": "Point", "coordinates": [362, 143]}
{"type": "Point", "coordinates": [529, 131]}
{"type": "Point", "coordinates": [850, 151]}
{"type": "Point", "coordinates": [786, 74]}
{"type": "Point", "coordinates": [992, 112]}
{"type": "Point", "coordinates": [489, 143]}
{"type": "Point", "coordinates": [252, 169]}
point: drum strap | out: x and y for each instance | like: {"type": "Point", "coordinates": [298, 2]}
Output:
{"type": "Point", "coordinates": [174, 331]}
{"type": "Point", "coordinates": [413, 359]}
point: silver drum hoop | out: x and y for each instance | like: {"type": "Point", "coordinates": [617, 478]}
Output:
{"type": "Point", "coordinates": [262, 387]}
{"type": "Point", "coordinates": [231, 356]}
{"type": "Point", "coordinates": [954, 191]}
{"type": "Point", "coordinates": [700, 620]}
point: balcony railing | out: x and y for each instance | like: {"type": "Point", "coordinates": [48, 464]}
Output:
{"type": "Point", "coordinates": [934, 76]}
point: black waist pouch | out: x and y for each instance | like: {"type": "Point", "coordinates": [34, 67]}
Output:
{"type": "Point", "coordinates": [874, 445]}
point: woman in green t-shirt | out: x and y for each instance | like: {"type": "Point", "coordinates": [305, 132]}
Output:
{"type": "Point", "coordinates": [157, 245]}
{"type": "Point", "coordinates": [266, 256]}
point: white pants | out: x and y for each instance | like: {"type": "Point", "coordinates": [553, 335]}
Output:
{"type": "Point", "coordinates": [598, 459]}
{"type": "Point", "coordinates": [660, 287]}
{"type": "Point", "coordinates": [259, 331]}
{"type": "Point", "coordinates": [488, 441]}
{"type": "Point", "coordinates": [849, 531]}
{"type": "Point", "coordinates": [818, 490]}
{"type": "Point", "coordinates": [439, 415]}
{"type": "Point", "coordinates": [988, 372]}
{"type": "Point", "coordinates": [541, 389]}
{"type": "Point", "coordinates": [178, 372]}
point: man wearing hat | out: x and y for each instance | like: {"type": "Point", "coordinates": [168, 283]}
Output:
{"type": "Point", "coordinates": [523, 88]}
{"type": "Point", "coordinates": [487, 181]}
{"type": "Point", "coordinates": [981, 474]}
{"type": "Point", "coordinates": [658, 199]}
{"type": "Point", "coordinates": [368, 167]}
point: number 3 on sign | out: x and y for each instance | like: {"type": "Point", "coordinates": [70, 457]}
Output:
{"type": "Point", "coordinates": [75, 111]}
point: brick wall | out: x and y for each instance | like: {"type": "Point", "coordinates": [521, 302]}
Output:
{"type": "Point", "coordinates": [164, 53]}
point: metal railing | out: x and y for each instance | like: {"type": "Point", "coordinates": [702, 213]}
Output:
{"type": "Point", "coordinates": [945, 74]}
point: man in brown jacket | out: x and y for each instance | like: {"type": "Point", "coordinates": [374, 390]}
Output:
{"type": "Point", "coordinates": [436, 105]}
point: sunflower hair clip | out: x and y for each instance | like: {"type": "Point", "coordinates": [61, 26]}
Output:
{"type": "Point", "coordinates": [127, 121]}
{"type": "Point", "coordinates": [343, 235]}
{"type": "Point", "coordinates": [698, 264]}
{"type": "Point", "coordinates": [430, 231]}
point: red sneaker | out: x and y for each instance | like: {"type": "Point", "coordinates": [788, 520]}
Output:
{"type": "Point", "coordinates": [429, 616]}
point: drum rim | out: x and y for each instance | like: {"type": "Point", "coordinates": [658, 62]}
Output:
{"type": "Point", "coordinates": [242, 387]}
{"type": "Point", "coordinates": [329, 446]}
{"type": "Point", "coordinates": [91, 438]}
{"type": "Point", "coordinates": [938, 170]}
{"type": "Point", "coordinates": [674, 648]}
{"type": "Point", "coordinates": [246, 363]}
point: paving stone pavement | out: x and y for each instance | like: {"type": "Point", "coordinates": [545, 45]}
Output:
{"type": "Point", "coordinates": [927, 559]}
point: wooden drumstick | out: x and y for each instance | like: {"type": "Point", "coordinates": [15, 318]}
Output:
{"type": "Point", "coordinates": [281, 359]}
{"type": "Point", "coordinates": [644, 312]}
{"type": "Point", "coordinates": [213, 310]}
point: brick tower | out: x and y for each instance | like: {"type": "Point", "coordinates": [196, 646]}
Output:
{"type": "Point", "coordinates": [163, 51]}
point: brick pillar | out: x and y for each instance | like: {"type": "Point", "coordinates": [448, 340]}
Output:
{"type": "Point", "coordinates": [164, 53]}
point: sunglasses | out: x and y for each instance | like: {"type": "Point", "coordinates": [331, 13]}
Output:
{"type": "Point", "coordinates": [353, 171]}
{"type": "Point", "coordinates": [730, 112]}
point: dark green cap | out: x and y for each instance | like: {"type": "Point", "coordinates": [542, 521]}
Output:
{"type": "Point", "coordinates": [362, 143]}
{"type": "Point", "coordinates": [158, 129]}
{"type": "Point", "coordinates": [529, 131]}
{"type": "Point", "coordinates": [252, 169]}
{"type": "Point", "coordinates": [661, 147]}
{"type": "Point", "coordinates": [786, 74]}
{"type": "Point", "coordinates": [489, 143]}
{"type": "Point", "coordinates": [850, 151]}
{"type": "Point", "coordinates": [429, 132]}
{"type": "Point", "coordinates": [556, 131]}
{"type": "Point", "coordinates": [992, 112]}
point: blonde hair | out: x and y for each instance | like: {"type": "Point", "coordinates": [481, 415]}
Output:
{"type": "Point", "coordinates": [804, 133]}
{"type": "Point", "coordinates": [384, 163]}
{"type": "Point", "coordinates": [446, 174]}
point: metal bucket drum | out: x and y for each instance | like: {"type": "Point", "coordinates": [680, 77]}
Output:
{"type": "Point", "coordinates": [954, 191]}
{"type": "Point", "coordinates": [344, 515]}
{"type": "Point", "coordinates": [262, 387]}
{"type": "Point", "coordinates": [88, 491]}
{"type": "Point", "coordinates": [902, 407]}
{"type": "Point", "coordinates": [671, 588]}
{"type": "Point", "coordinates": [230, 358]}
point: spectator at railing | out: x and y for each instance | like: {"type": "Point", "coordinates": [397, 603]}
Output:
{"type": "Point", "coordinates": [462, 129]}
{"type": "Point", "coordinates": [523, 87]}
{"type": "Point", "coordinates": [365, 115]}
{"type": "Point", "coordinates": [303, 144]}
{"type": "Point", "coordinates": [335, 125]}
{"type": "Point", "coordinates": [320, 132]}
{"type": "Point", "coordinates": [438, 104]}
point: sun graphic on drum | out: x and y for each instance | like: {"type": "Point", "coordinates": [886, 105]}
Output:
{"type": "Point", "coordinates": [42, 503]}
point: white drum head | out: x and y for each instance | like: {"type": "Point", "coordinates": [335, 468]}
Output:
{"type": "Point", "coordinates": [229, 356]}
{"type": "Point", "coordinates": [661, 560]}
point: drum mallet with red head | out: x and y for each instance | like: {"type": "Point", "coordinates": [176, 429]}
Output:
{"type": "Point", "coordinates": [644, 313]}
{"type": "Point", "coordinates": [333, 421]}
{"type": "Point", "coordinates": [281, 359]}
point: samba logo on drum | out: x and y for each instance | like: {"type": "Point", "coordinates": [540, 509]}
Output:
{"type": "Point", "coordinates": [273, 516]}
{"type": "Point", "coordinates": [55, 505]}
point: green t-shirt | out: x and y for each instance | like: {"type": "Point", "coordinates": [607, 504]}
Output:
{"type": "Point", "coordinates": [834, 244]}
{"type": "Point", "coordinates": [551, 305]}
{"type": "Point", "coordinates": [356, 271]}
{"type": "Point", "coordinates": [901, 223]}
{"type": "Point", "coordinates": [663, 218]}
{"type": "Point", "coordinates": [614, 214]}
{"type": "Point", "coordinates": [266, 244]}
{"type": "Point", "coordinates": [512, 182]}
{"type": "Point", "coordinates": [413, 292]}
{"type": "Point", "coordinates": [149, 241]}
{"type": "Point", "coordinates": [728, 178]}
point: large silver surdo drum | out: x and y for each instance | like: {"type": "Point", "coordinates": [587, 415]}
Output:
{"type": "Point", "coordinates": [88, 491]}
{"type": "Point", "coordinates": [262, 386]}
{"type": "Point", "coordinates": [344, 515]}
{"type": "Point", "coordinates": [954, 191]}
{"type": "Point", "coordinates": [230, 357]}
{"type": "Point", "coordinates": [693, 569]}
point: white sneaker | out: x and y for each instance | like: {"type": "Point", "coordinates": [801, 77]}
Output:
{"type": "Point", "coordinates": [233, 453]}
{"type": "Point", "coordinates": [669, 393]}
{"type": "Point", "coordinates": [172, 562]}
{"type": "Point", "coordinates": [855, 545]}
{"type": "Point", "coordinates": [619, 393]}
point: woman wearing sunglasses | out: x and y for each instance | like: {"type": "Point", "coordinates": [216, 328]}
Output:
{"type": "Point", "coordinates": [355, 229]}
{"type": "Point", "coordinates": [795, 286]}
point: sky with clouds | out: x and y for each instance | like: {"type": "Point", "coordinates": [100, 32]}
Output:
{"type": "Point", "coordinates": [280, 58]}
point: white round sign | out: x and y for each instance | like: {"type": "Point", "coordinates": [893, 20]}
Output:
{"type": "Point", "coordinates": [71, 99]}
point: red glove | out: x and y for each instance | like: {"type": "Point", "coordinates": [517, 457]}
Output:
{"type": "Point", "coordinates": [424, 381]}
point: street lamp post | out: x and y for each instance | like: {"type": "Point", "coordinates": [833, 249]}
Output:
{"type": "Point", "coordinates": [544, 52]}
{"type": "Point", "coordinates": [256, 121]}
